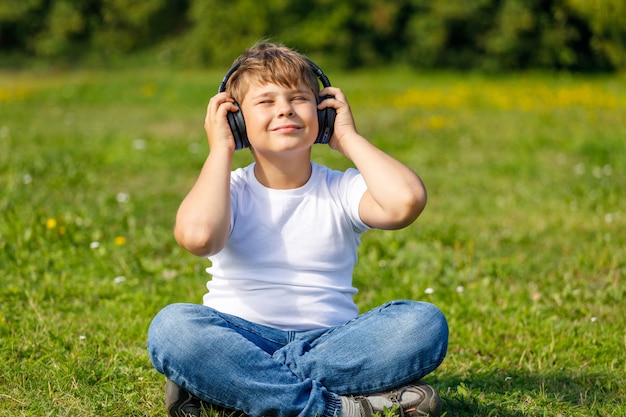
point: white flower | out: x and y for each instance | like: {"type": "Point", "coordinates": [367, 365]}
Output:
{"type": "Point", "coordinates": [94, 245]}
{"type": "Point", "coordinates": [118, 280]}
{"type": "Point", "coordinates": [429, 290]}
{"type": "Point", "coordinates": [139, 144]}
{"type": "Point", "coordinates": [169, 273]}
{"type": "Point", "coordinates": [579, 169]}
{"type": "Point", "coordinates": [122, 197]}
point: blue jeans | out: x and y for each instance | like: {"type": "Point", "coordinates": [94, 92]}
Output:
{"type": "Point", "coordinates": [228, 361]}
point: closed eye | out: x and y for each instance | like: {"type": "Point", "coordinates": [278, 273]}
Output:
{"type": "Point", "coordinates": [302, 98]}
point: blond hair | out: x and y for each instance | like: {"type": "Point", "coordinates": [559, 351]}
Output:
{"type": "Point", "coordinates": [273, 63]}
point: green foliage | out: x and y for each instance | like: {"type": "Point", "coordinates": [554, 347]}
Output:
{"type": "Point", "coordinates": [526, 34]}
{"type": "Point", "coordinates": [491, 35]}
{"type": "Point", "coordinates": [219, 27]}
{"type": "Point", "coordinates": [70, 28]}
{"type": "Point", "coordinates": [605, 18]}
{"type": "Point", "coordinates": [126, 25]}
{"type": "Point", "coordinates": [222, 29]}
{"type": "Point", "coordinates": [521, 243]}
{"type": "Point", "coordinates": [511, 34]}
{"type": "Point", "coordinates": [19, 20]}
{"type": "Point", "coordinates": [64, 26]}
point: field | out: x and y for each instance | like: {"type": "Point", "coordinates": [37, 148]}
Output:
{"type": "Point", "coordinates": [522, 244]}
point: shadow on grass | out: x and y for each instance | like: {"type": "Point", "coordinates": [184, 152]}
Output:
{"type": "Point", "coordinates": [516, 394]}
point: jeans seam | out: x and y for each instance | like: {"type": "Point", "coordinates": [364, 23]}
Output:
{"type": "Point", "coordinates": [260, 335]}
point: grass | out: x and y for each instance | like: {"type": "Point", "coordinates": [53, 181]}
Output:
{"type": "Point", "coordinates": [522, 243]}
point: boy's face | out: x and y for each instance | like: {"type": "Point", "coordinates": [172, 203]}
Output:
{"type": "Point", "coordinates": [280, 118]}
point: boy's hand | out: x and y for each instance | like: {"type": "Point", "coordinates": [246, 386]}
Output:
{"type": "Point", "coordinates": [344, 121]}
{"type": "Point", "coordinates": [216, 122]}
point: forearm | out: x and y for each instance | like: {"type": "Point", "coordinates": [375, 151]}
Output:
{"type": "Point", "coordinates": [203, 218]}
{"type": "Point", "coordinates": [396, 192]}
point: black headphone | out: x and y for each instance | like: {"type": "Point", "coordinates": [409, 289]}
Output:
{"type": "Point", "coordinates": [325, 117]}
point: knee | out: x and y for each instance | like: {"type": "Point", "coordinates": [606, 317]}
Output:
{"type": "Point", "coordinates": [426, 320]}
{"type": "Point", "coordinates": [169, 330]}
{"type": "Point", "coordinates": [167, 321]}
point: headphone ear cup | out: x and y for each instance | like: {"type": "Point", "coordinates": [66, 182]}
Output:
{"type": "Point", "coordinates": [238, 128]}
{"type": "Point", "coordinates": [326, 119]}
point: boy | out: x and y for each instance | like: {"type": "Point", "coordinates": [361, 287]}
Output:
{"type": "Point", "coordinates": [279, 334]}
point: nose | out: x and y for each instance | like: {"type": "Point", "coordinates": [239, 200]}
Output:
{"type": "Point", "coordinates": [284, 108]}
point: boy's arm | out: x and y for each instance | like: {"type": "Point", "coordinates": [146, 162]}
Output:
{"type": "Point", "coordinates": [395, 194]}
{"type": "Point", "coordinates": [203, 218]}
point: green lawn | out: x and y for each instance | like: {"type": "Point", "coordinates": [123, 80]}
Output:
{"type": "Point", "coordinates": [522, 244]}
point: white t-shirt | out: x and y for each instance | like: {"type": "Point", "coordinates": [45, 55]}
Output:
{"type": "Point", "coordinates": [290, 255]}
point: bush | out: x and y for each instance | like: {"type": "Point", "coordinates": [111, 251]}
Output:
{"type": "Point", "coordinates": [607, 23]}
{"type": "Point", "coordinates": [493, 35]}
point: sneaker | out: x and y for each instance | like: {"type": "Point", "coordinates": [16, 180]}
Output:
{"type": "Point", "coordinates": [181, 403]}
{"type": "Point", "coordinates": [412, 400]}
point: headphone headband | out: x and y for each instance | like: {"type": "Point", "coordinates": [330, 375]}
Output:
{"type": "Point", "coordinates": [317, 70]}
{"type": "Point", "coordinates": [230, 72]}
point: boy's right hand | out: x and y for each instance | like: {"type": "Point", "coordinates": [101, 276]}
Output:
{"type": "Point", "coordinates": [216, 122]}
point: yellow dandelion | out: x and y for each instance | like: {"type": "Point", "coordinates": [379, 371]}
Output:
{"type": "Point", "coordinates": [436, 122]}
{"type": "Point", "coordinates": [12, 94]}
{"type": "Point", "coordinates": [51, 223]}
{"type": "Point", "coordinates": [148, 90]}
{"type": "Point", "coordinates": [120, 240]}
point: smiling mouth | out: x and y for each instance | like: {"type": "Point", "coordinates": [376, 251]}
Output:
{"type": "Point", "coordinates": [286, 128]}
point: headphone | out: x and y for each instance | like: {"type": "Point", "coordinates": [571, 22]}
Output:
{"type": "Point", "coordinates": [325, 117]}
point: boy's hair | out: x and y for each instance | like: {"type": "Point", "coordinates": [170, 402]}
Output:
{"type": "Point", "coordinates": [271, 63]}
